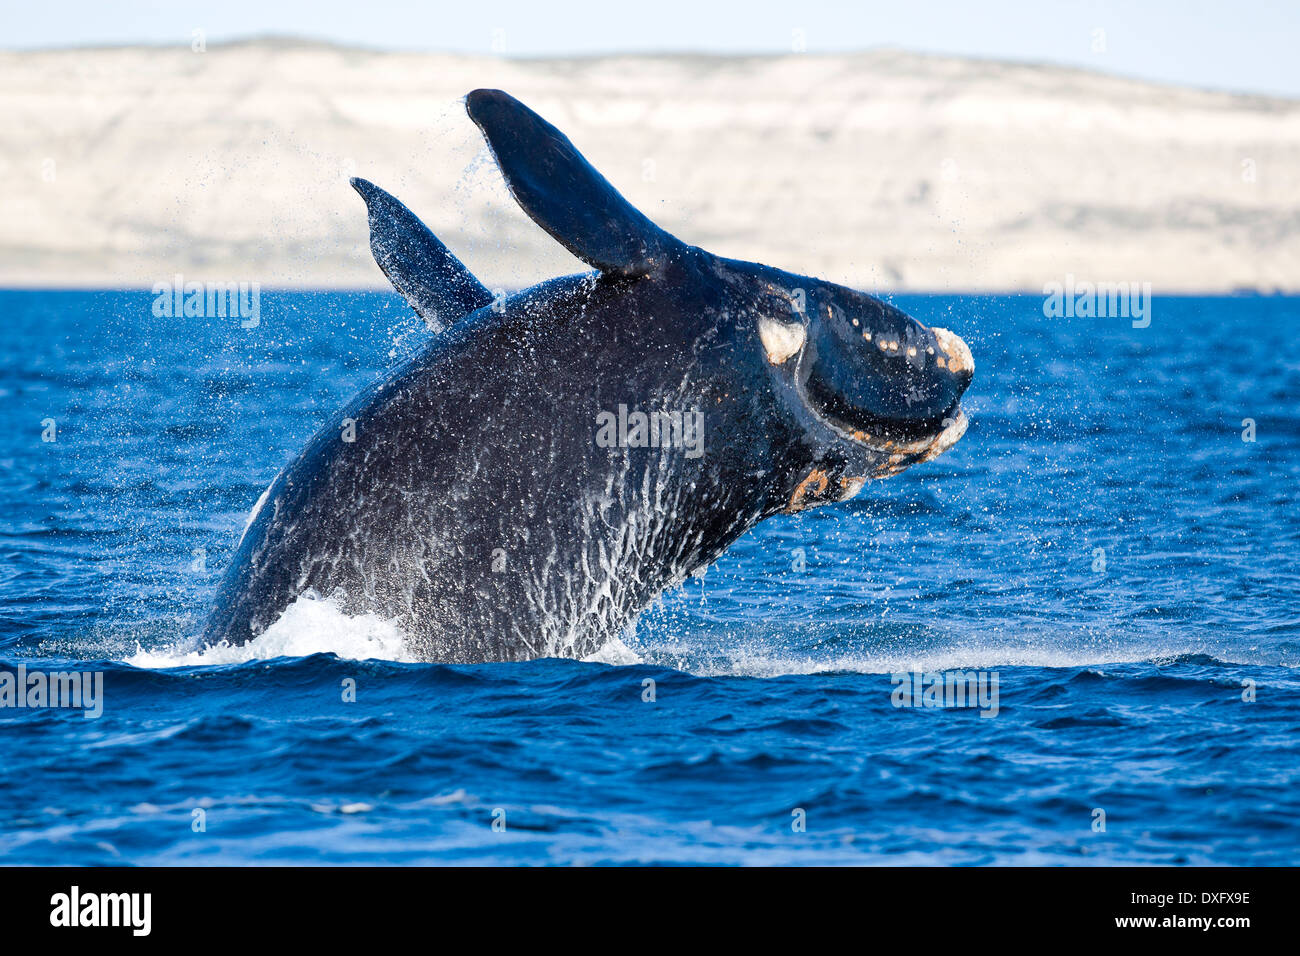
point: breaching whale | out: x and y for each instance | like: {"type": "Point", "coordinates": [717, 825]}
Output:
{"type": "Point", "coordinates": [553, 460]}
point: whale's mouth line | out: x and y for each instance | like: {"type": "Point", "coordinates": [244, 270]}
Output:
{"type": "Point", "coordinates": [901, 443]}
{"type": "Point", "coordinates": [890, 437]}
{"type": "Point", "coordinates": [898, 455]}
{"type": "Point", "coordinates": [902, 453]}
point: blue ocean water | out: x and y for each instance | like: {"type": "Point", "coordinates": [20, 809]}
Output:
{"type": "Point", "coordinates": [1103, 539]}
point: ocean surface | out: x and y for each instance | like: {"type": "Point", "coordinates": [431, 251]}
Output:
{"type": "Point", "coordinates": [1103, 541]}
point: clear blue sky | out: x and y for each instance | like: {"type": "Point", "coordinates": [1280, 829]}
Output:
{"type": "Point", "coordinates": [1247, 45]}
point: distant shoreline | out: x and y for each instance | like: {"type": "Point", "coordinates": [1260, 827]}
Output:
{"type": "Point", "coordinates": [885, 170]}
{"type": "Point", "coordinates": [299, 42]}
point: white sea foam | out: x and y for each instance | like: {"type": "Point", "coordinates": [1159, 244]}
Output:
{"type": "Point", "coordinates": [313, 625]}
{"type": "Point", "coordinates": [310, 625]}
{"type": "Point", "coordinates": [759, 663]}
{"type": "Point", "coordinates": [759, 660]}
{"type": "Point", "coordinates": [614, 652]}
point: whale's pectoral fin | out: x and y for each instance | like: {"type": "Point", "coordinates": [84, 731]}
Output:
{"type": "Point", "coordinates": [435, 283]}
{"type": "Point", "coordinates": [563, 193]}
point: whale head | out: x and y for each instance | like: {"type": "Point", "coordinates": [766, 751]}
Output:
{"type": "Point", "coordinates": [876, 389]}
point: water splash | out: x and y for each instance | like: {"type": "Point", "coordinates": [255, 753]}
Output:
{"type": "Point", "coordinates": [311, 625]}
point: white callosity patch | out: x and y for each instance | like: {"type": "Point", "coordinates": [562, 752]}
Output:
{"type": "Point", "coordinates": [956, 351]}
{"type": "Point", "coordinates": [780, 339]}
{"type": "Point", "coordinates": [851, 487]}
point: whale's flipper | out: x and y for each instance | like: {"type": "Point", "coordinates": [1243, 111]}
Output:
{"type": "Point", "coordinates": [435, 283]}
{"type": "Point", "coordinates": [563, 193]}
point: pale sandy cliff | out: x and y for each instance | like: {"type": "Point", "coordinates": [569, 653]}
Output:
{"type": "Point", "coordinates": [884, 169]}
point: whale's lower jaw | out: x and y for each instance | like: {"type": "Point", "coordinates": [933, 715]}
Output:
{"type": "Point", "coordinates": [903, 455]}
{"type": "Point", "coordinates": [952, 433]}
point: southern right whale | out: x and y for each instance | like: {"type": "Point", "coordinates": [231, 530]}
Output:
{"type": "Point", "coordinates": [552, 461]}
